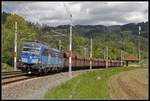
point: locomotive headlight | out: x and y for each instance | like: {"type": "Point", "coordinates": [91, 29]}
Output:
{"type": "Point", "coordinates": [24, 60]}
{"type": "Point", "coordinates": [39, 61]}
{"type": "Point", "coordinates": [34, 60]}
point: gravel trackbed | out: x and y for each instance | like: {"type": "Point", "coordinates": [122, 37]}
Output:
{"type": "Point", "coordinates": [36, 88]}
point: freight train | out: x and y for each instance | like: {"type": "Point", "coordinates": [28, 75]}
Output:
{"type": "Point", "coordinates": [37, 58]}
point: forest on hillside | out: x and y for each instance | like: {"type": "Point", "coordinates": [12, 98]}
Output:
{"type": "Point", "coordinates": [116, 37]}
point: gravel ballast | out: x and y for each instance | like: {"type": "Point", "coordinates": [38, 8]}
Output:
{"type": "Point", "coordinates": [37, 87]}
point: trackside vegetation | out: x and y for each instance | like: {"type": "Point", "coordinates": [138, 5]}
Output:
{"type": "Point", "coordinates": [6, 68]}
{"type": "Point", "coordinates": [89, 85]}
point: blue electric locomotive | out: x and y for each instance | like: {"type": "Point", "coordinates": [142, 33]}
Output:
{"type": "Point", "coordinates": [36, 57]}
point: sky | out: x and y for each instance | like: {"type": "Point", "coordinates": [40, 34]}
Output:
{"type": "Point", "coordinates": [83, 13]}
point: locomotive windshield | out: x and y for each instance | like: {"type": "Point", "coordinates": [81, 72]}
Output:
{"type": "Point", "coordinates": [31, 48]}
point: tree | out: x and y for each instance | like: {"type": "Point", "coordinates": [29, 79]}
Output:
{"type": "Point", "coordinates": [8, 34]}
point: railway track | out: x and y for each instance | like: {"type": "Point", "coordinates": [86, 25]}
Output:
{"type": "Point", "coordinates": [12, 77]}
{"type": "Point", "coordinates": [16, 76]}
{"type": "Point", "coordinates": [10, 73]}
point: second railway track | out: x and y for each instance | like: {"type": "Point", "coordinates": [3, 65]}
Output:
{"type": "Point", "coordinates": [16, 76]}
{"type": "Point", "coordinates": [12, 77]}
{"type": "Point", "coordinates": [12, 72]}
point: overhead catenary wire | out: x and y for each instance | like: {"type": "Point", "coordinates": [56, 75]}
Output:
{"type": "Point", "coordinates": [3, 8]}
{"type": "Point", "coordinates": [68, 12]}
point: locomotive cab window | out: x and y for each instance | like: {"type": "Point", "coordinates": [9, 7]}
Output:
{"type": "Point", "coordinates": [30, 50]}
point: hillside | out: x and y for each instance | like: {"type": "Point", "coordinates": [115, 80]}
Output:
{"type": "Point", "coordinates": [97, 30]}
{"type": "Point", "coordinates": [116, 37]}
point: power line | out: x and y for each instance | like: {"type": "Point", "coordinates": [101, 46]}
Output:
{"type": "Point", "coordinates": [68, 12]}
{"type": "Point", "coordinates": [9, 11]}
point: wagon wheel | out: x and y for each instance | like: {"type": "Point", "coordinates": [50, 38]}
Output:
{"type": "Point", "coordinates": [41, 72]}
{"type": "Point", "coordinates": [45, 71]}
{"type": "Point", "coordinates": [28, 70]}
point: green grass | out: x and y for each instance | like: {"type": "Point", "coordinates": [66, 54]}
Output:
{"type": "Point", "coordinates": [6, 68]}
{"type": "Point", "coordinates": [86, 85]}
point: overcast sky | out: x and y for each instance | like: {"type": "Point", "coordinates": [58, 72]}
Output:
{"type": "Point", "coordinates": [91, 13]}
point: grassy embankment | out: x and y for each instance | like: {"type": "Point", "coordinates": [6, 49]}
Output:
{"type": "Point", "coordinates": [91, 85]}
{"type": "Point", "coordinates": [6, 68]}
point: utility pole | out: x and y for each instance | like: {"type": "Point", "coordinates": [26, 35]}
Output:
{"type": "Point", "coordinates": [70, 48]}
{"type": "Point", "coordinates": [106, 57]}
{"type": "Point", "coordinates": [58, 34]}
{"type": "Point", "coordinates": [104, 54]}
{"type": "Point", "coordinates": [121, 57]}
{"type": "Point", "coordinates": [85, 52]}
{"type": "Point", "coordinates": [91, 55]}
{"type": "Point", "coordinates": [15, 50]}
{"type": "Point", "coordinates": [59, 45]}
{"type": "Point", "coordinates": [139, 44]}
{"type": "Point", "coordinates": [70, 45]}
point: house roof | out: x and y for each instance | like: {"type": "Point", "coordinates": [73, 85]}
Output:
{"type": "Point", "coordinates": [131, 57]}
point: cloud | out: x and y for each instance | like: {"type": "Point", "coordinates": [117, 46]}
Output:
{"type": "Point", "coordinates": [54, 13]}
